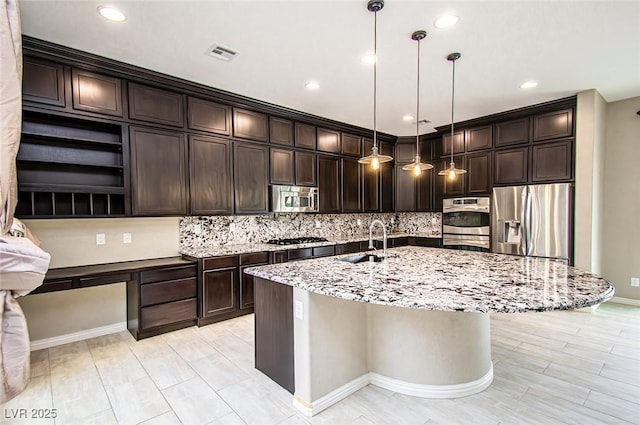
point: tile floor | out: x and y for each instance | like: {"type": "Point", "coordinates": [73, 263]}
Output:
{"type": "Point", "coordinates": [550, 368]}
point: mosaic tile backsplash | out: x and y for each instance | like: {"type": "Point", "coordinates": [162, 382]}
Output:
{"type": "Point", "coordinates": [225, 230]}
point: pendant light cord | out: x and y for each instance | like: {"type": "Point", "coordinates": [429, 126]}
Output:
{"type": "Point", "coordinates": [418, 105]}
{"type": "Point", "coordinates": [453, 91]}
{"type": "Point", "coordinates": [375, 76]}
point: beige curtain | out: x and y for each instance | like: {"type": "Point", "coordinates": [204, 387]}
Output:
{"type": "Point", "coordinates": [22, 264]}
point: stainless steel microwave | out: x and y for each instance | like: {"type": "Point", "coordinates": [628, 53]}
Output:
{"type": "Point", "coordinates": [294, 198]}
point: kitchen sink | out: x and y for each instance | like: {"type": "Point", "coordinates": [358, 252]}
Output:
{"type": "Point", "coordinates": [362, 258]}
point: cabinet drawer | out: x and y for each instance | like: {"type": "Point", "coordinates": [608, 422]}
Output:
{"type": "Point", "coordinates": [172, 273]}
{"type": "Point", "coordinates": [105, 280]}
{"type": "Point", "coordinates": [163, 314]}
{"type": "Point", "coordinates": [323, 251]}
{"type": "Point", "coordinates": [220, 262]}
{"type": "Point", "coordinates": [162, 292]}
{"type": "Point", "coordinates": [254, 258]}
{"type": "Point", "coordinates": [299, 254]}
{"type": "Point", "coordinates": [348, 248]}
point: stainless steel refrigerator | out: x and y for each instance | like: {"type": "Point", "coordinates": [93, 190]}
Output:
{"type": "Point", "coordinates": [532, 221]}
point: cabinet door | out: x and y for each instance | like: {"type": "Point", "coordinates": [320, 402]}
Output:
{"type": "Point", "coordinates": [96, 93]}
{"type": "Point", "coordinates": [479, 173]}
{"type": "Point", "coordinates": [370, 183]}
{"type": "Point", "coordinates": [250, 125]}
{"type": "Point", "coordinates": [220, 288]}
{"type": "Point", "coordinates": [208, 116]}
{"type": "Point", "coordinates": [351, 172]}
{"type": "Point", "coordinates": [281, 166]}
{"type": "Point", "coordinates": [351, 145]}
{"type": "Point", "coordinates": [510, 166]}
{"type": "Point", "coordinates": [424, 185]}
{"type": "Point", "coordinates": [405, 153]}
{"type": "Point", "coordinates": [553, 125]}
{"type": "Point", "coordinates": [251, 165]}
{"type": "Point", "coordinates": [329, 184]}
{"type": "Point", "coordinates": [155, 105]}
{"type": "Point", "coordinates": [281, 131]}
{"type": "Point", "coordinates": [387, 182]}
{"type": "Point", "coordinates": [458, 143]}
{"type": "Point", "coordinates": [552, 162]}
{"type": "Point", "coordinates": [449, 187]}
{"type": "Point", "coordinates": [405, 190]}
{"type": "Point", "coordinates": [43, 82]}
{"type": "Point", "coordinates": [328, 141]}
{"type": "Point", "coordinates": [305, 136]}
{"type": "Point", "coordinates": [211, 176]}
{"type": "Point", "coordinates": [305, 169]}
{"type": "Point", "coordinates": [479, 138]}
{"type": "Point", "coordinates": [512, 132]}
{"type": "Point", "coordinates": [158, 172]}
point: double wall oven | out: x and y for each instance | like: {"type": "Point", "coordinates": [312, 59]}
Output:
{"type": "Point", "coordinates": [466, 223]}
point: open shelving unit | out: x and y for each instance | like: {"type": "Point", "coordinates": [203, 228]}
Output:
{"type": "Point", "coordinates": [70, 168]}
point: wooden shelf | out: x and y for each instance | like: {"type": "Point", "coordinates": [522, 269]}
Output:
{"type": "Point", "coordinates": [74, 134]}
{"type": "Point", "coordinates": [74, 164]}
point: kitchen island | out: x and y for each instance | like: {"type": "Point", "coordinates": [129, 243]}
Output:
{"type": "Point", "coordinates": [416, 323]}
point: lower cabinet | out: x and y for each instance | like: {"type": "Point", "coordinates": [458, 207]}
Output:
{"type": "Point", "coordinates": [246, 280]}
{"type": "Point", "coordinates": [161, 300]}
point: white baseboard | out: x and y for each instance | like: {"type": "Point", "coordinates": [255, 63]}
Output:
{"type": "Point", "coordinates": [40, 344]}
{"type": "Point", "coordinates": [626, 301]}
{"type": "Point", "coordinates": [328, 400]}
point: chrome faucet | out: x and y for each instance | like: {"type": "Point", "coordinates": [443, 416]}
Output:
{"type": "Point", "coordinates": [384, 236]}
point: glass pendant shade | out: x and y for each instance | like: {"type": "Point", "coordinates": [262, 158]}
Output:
{"type": "Point", "coordinates": [374, 158]}
{"type": "Point", "coordinates": [452, 171]}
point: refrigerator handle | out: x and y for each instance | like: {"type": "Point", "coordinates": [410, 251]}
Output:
{"type": "Point", "coordinates": [529, 222]}
{"type": "Point", "coordinates": [524, 217]}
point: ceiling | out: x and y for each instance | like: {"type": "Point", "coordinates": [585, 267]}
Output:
{"type": "Point", "coordinates": [567, 46]}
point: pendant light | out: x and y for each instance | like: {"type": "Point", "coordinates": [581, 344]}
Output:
{"type": "Point", "coordinates": [416, 166]}
{"type": "Point", "coordinates": [375, 159]}
{"type": "Point", "coordinates": [452, 171]}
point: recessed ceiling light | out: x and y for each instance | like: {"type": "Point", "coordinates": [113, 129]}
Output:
{"type": "Point", "coordinates": [407, 118]}
{"type": "Point", "coordinates": [446, 21]}
{"type": "Point", "coordinates": [111, 13]}
{"type": "Point", "coordinates": [368, 59]}
{"type": "Point", "coordinates": [529, 84]}
{"type": "Point", "coordinates": [312, 85]}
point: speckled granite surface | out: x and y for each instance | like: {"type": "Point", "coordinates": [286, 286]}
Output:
{"type": "Point", "coordinates": [447, 280]}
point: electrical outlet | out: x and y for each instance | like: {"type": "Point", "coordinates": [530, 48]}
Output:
{"type": "Point", "coordinates": [359, 222]}
{"type": "Point", "coordinates": [393, 220]}
{"type": "Point", "coordinates": [318, 224]}
{"type": "Point", "coordinates": [232, 227]}
{"type": "Point", "coordinates": [126, 238]}
{"type": "Point", "coordinates": [299, 310]}
{"type": "Point", "coordinates": [101, 239]}
{"type": "Point", "coordinates": [197, 229]}
{"type": "Point", "coordinates": [434, 221]}
{"type": "Point", "coordinates": [635, 281]}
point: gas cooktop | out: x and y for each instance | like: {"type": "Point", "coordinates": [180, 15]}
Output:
{"type": "Point", "coordinates": [293, 241]}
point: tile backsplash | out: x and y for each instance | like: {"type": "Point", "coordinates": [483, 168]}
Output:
{"type": "Point", "coordinates": [223, 230]}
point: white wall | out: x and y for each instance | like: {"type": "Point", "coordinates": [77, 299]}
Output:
{"type": "Point", "coordinates": [621, 236]}
{"type": "Point", "coordinates": [73, 243]}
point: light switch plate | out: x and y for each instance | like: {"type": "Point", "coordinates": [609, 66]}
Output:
{"type": "Point", "coordinates": [635, 281]}
{"type": "Point", "coordinates": [126, 238]}
{"type": "Point", "coordinates": [299, 310]}
{"type": "Point", "coordinates": [101, 239]}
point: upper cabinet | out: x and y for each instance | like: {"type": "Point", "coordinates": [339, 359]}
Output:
{"type": "Point", "coordinates": [511, 166]}
{"type": "Point", "coordinates": [251, 166]}
{"type": "Point", "coordinates": [250, 125]}
{"type": "Point", "coordinates": [351, 178]}
{"type": "Point", "coordinates": [405, 152]}
{"type": "Point", "coordinates": [305, 164]}
{"type": "Point", "coordinates": [305, 136]}
{"type": "Point", "coordinates": [209, 116]}
{"type": "Point", "coordinates": [458, 143]}
{"type": "Point", "coordinates": [478, 173]}
{"type": "Point", "coordinates": [282, 171]}
{"type": "Point", "coordinates": [553, 125]}
{"type": "Point", "coordinates": [351, 145]}
{"type": "Point", "coordinates": [328, 141]}
{"type": "Point", "coordinates": [513, 132]}
{"type": "Point", "coordinates": [281, 131]}
{"type": "Point", "coordinates": [479, 138]}
{"type": "Point", "coordinates": [154, 105]}
{"type": "Point", "coordinates": [96, 93]}
{"type": "Point", "coordinates": [552, 161]}
{"type": "Point", "coordinates": [43, 82]}
{"type": "Point", "coordinates": [329, 184]}
{"type": "Point", "coordinates": [210, 176]}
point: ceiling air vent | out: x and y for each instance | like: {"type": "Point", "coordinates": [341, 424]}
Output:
{"type": "Point", "coordinates": [223, 53]}
{"type": "Point", "coordinates": [421, 122]}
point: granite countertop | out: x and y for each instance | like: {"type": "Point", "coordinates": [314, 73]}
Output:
{"type": "Point", "coordinates": [447, 280]}
{"type": "Point", "coordinates": [235, 249]}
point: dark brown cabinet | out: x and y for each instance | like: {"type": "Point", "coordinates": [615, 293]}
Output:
{"type": "Point", "coordinates": [209, 116]}
{"type": "Point", "coordinates": [305, 169]}
{"type": "Point", "coordinates": [246, 281]}
{"type": "Point", "coordinates": [282, 171]}
{"type": "Point", "coordinates": [329, 184]}
{"type": "Point", "coordinates": [305, 136]}
{"type": "Point", "coordinates": [510, 166]}
{"type": "Point", "coordinates": [219, 292]}
{"type": "Point", "coordinates": [96, 93]}
{"type": "Point", "coordinates": [370, 182]}
{"type": "Point", "coordinates": [155, 105]}
{"type": "Point", "coordinates": [43, 82]}
{"type": "Point", "coordinates": [281, 131]}
{"type": "Point", "coordinates": [387, 182]}
{"type": "Point", "coordinates": [158, 172]}
{"type": "Point", "coordinates": [479, 138]}
{"type": "Point", "coordinates": [351, 177]}
{"type": "Point", "coordinates": [250, 125]}
{"type": "Point", "coordinates": [405, 190]}
{"type": "Point", "coordinates": [328, 141]}
{"type": "Point", "coordinates": [424, 190]}
{"type": "Point", "coordinates": [446, 185]}
{"type": "Point", "coordinates": [251, 165]}
{"type": "Point", "coordinates": [552, 161]}
{"type": "Point", "coordinates": [351, 145]}
{"type": "Point", "coordinates": [211, 176]}
{"type": "Point", "coordinates": [479, 173]}
{"type": "Point", "coordinates": [513, 132]}
{"type": "Point", "coordinates": [553, 125]}
{"type": "Point", "coordinates": [458, 143]}
{"type": "Point", "coordinates": [405, 152]}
